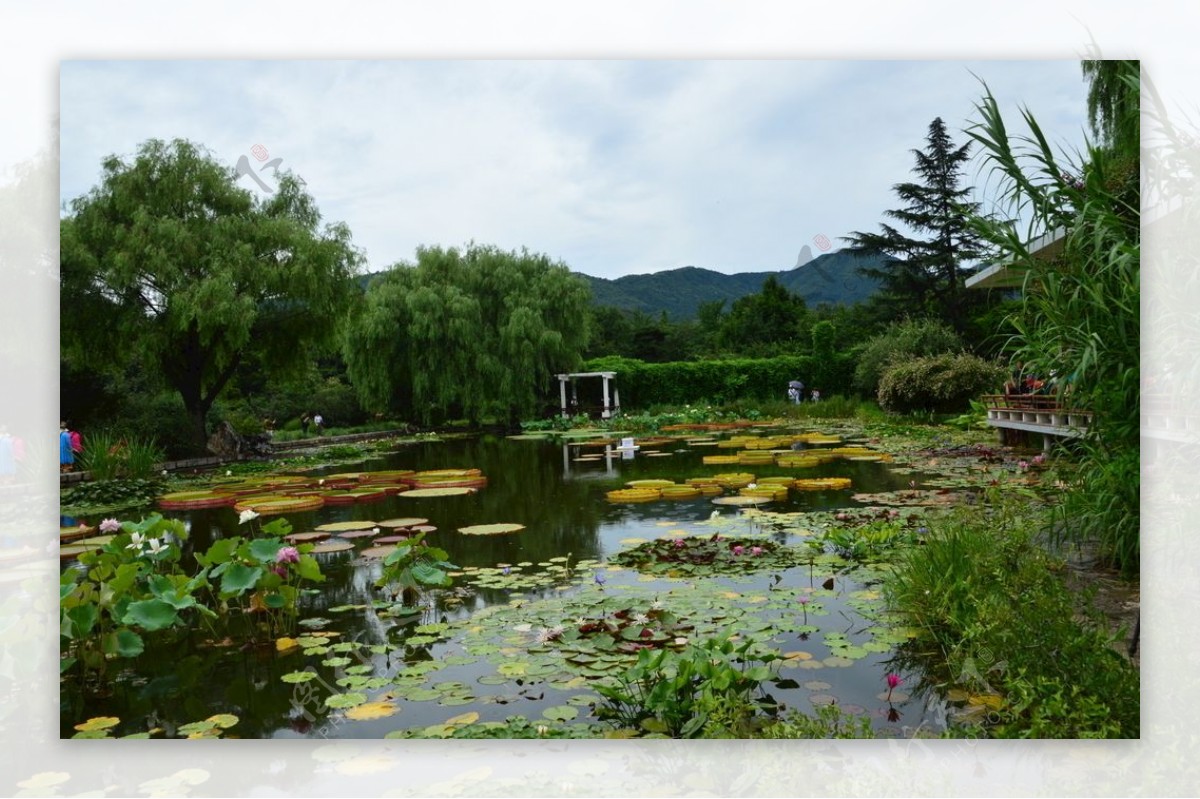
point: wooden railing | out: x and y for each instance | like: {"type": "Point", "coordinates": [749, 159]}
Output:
{"type": "Point", "coordinates": [1036, 413]}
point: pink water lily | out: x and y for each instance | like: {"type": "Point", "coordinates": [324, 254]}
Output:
{"type": "Point", "coordinates": [804, 600]}
{"type": "Point", "coordinates": [738, 549]}
{"type": "Point", "coordinates": [892, 681]}
{"type": "Point", "coordinates": [756, 551]}
{"type": "Point", "coordinates": [678, 543]}
{"type": "Point", "coordinates": [110, 526]}
{"type": "Point", "coordinates": [1023, 465]}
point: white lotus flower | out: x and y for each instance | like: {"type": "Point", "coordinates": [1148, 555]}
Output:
{"type": "Point", "coordinates": [155, 546]}
{"type": "Point", "coordinates": [246, 516]}
{"type": "Point", "coordinates": [135, 541]}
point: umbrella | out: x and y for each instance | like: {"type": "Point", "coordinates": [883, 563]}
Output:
{"type": "Point", "coordinates": [795, 384]}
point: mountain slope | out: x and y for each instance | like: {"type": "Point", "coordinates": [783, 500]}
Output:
{"type": "Point", "coordinates": [828, 278]}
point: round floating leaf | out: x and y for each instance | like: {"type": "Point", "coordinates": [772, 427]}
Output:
{"type": "Point", "coordinates": [345, 700]}
{"type": "Point", "coordinates": [561, 713]}
{"type": "Point", "coordinates": [377, 553]}
{"type": "Point", "coordinates": [491, 529]}
{"type": "Point", "coordinates": [407, 521]}
{"type": "Point", "coordinates": [98, 723]}
{"type": "Point", "coordinates": [331, 546]}
{"type": "Point", "coordinates": [418, 493]}
{"type": "Point", "coordinates": [299, 676]}
{"type": "Point", "coordinates": [372, 710]}
{"type": "Point", "coordinates": [224, 720]}
{"type": "Point", "coordinates": [338, 527]}
{"type": "Point", "coordinates": [741, 501]}
{"type": "Point", "coordinates": [463, 719]}
{"type": "Point", "coordinates": [822, 699]}
{"type": "Point", "coordinates": [276, 503]}
{"type": "Point", "coordinates": [297, 538]}
{"type": "Point", "coordinates": [817, 685]}
{"type": "Point", "coordinates": [838, 662]}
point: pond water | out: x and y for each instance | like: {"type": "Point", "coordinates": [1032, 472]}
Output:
{"type": "Point", "coordinates": [561, 502]}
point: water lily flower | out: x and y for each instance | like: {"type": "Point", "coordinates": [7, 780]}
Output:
{"type": "Point", "coordinates": [287, 555]}
{"type": "Point", "coordinates": [892, 681]}
{"type": "Point", "coordinates": [135, 541]}
{"type": "Point", "coordinates": [679, 543]}
{"type": "Point", "coordinates": [804, 600]}
{"type": "Point", "coordinates": [599, 578]}
{"type": "Point", "coordinates": [542, 729]}
{"type": "Point", "coordinates": [246, 516]}
{"type": "Point", "coordinates": [715, 514]}
{"type": "Point", "coordinates": [110, 526]}
{"type": "Point", "coordinates": [155, 546]}
{"type": "Point", "coordinates": [641, 618]}
{"type": "Point", "coordinates": [506, 570]}
{"type": "Point", "coordinates": [756, 551]}
{"type": "Point", "coordinates": [738, 549]}
{"type": "Point", "coordinates": [657, 605]}
{"type": "Point", "coordinates": [1023, 465]}
{"type": "Point", "coordinates": [321, 482]}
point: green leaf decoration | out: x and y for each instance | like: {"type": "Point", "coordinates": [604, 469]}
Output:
{"type": "Point", "coordinates": [491, 529]}
{"type": "Point", "coordinates": [238, 578]}
{"type": "Point", "coordinates": [150, 614]}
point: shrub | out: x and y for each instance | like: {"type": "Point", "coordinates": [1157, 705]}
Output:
{"type": "Point", "coordinates": [110, 457]}
{"type": "Point", "coordinates": [911, 338]}
{"type": "Point", "coordinates": [939, 384]}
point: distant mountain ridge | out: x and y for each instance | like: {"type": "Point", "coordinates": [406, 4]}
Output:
{"type": "Point", "coordinates": [829, 278]}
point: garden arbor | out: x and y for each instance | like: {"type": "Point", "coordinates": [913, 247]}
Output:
{"type": "Point", "coordinates": [607, 409]}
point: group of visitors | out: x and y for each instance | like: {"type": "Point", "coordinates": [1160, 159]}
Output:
{"type": "Point", "coordinates": [12, 452]}
{"type": "Point", "coordinates": [795, 392]}
{"type": "Point", "coordinates": [70, 447]}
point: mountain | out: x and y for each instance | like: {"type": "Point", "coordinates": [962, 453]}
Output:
{"type": "Point", "coordinates": [829, 278]}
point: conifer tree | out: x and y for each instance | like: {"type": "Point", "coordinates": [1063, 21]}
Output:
{"type": "Point", "coordinates": [926, 276]}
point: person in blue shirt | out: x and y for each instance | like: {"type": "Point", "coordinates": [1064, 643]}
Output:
{"type": "Point", "coordinates": [66, 456]}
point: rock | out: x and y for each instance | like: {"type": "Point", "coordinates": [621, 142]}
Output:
{"type": "Point", "coordinates": [225, 442]}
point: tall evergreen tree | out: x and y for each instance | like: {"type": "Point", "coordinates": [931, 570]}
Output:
{"type": "Point", "coordinates": [925, 279]}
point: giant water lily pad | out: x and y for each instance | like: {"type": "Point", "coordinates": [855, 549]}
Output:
{"type": "Point", "coordinates": [297, 538]}
{"type": "Point", "coordinates": [337, 527]}
{"type": "Point", "coordinates": [407, 521]}
{"type": "Point", "coordinates": [377, 553]}
{"type": "Point", "coordinates": [189, 500]}
{"type": "Point", "coordinates": [491, 529]}
{"type": "Point", "coordinates": [265, 506]}
{"type": "Point", "coordinates": [422, 493]}
{"type": "Point", "coordinates": [326, 547]}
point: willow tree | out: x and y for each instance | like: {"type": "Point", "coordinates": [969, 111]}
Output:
{"type": "Point", "coordinates": [473, 333]}
{"type": "Point", "coordinates": [169, 261]}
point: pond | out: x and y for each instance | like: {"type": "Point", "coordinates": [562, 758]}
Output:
{"type": "Point", "coordinates": [483, 647]}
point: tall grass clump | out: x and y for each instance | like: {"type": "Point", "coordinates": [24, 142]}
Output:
{"type": "Point", "coordinates": [1079, 319]}
{"type": "Point", "coordinates": [110, 457]}
{"type": "Point", "coordinates": [994, 618]}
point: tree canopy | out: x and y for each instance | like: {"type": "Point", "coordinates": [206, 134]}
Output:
{"type": "Point", "coordinates": [467, 333]}
{"type": "Point", "coordinates": [169, 261]}
{"type": "Point", "coordinates": [925, 279]}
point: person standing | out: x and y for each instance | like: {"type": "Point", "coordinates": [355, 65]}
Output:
{"type": "Point", "coordinates": [318, 423]}
{"type": "Point", "coordinates": [66, 456]}
{"type": "Point", "coordinates": [304, 422]}
{"type": "Point", "coordinates": [76, 443]}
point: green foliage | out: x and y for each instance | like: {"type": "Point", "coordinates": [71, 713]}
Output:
{"type": "Point", "coordinates": [100, 495]}
{"type": "Point", "coordinates": [169, 262]}
{"type": "Point", "coordinates": [994, 618]}
{"type": "Point", "coordinates": [902, 341]}
{"type": "Point", "coordinates": [708, 690]}
{"type": "Point", "coordinates": [1080, 316]}
{"type": "Point", "coordinates": [940, 384]}
{"type": "Point", "coordinates": [414, 565]}
{"type": "Point", "coordinates": [828, 721]}
{"type": "Point", "coordinates": [711, 381]}
{"type": "Point", "coordinates": [925, 276]}
{"type": "Point", "coordinates": [473, 333]}
{"type": "Point", "coordinates": [109, 457]}
{"type": "Point", "coordinates": [772, 316]}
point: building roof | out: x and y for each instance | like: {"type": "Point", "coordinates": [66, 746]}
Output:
{"type": "Point", "coordinates": [1010, 274]}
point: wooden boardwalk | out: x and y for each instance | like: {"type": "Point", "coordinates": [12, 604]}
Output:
{"type": "Point", "coordinates": [1035, 413]}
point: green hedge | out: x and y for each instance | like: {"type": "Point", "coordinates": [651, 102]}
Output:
{"type": "Point", "coordinates": [642, 384]}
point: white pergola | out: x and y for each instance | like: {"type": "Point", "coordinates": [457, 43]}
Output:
{"type": "Point", "coordinates": [608, 409]}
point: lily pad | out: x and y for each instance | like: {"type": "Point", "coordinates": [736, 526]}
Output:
{"type": "Point", "coordinates": [372, 710]}
{"type": "Point", "coordinates": [452, 491]}
{"type": "Point", "coordinates": [345, 700]}
{"type": "Point", "coordinates": [338, 527]}
{"type": "Point", "coordinates": [377, 553]}
{"type": "Point", "coordinates": [98, 723]}
{"type": "Point", "coordinates": [326, 547]}
{"type": "Point", "coordinates": [297, 538]}
{"type": "Point", "coordinates": [491, 529]}
{"type": "Point", "coordinates": [561, 713]}
{"type": "Point", "coordinates": [407, 521]}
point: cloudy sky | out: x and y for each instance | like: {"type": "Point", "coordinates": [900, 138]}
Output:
{"type": "Point", "coordinates": [614, 167]}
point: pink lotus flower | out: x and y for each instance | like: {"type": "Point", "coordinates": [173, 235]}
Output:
{"type": "Point", "coordinates": [678, 543]}
{"type": "Point", "coordinates": [280, 569]}
{"type": "Point", "coordinates": [287, 555]}
{"type": "Point", "coordinates": [110, 526]}
{"type": "Point", "coordinates": [738, 549]}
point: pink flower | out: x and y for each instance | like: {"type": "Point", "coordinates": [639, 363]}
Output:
{"type": "Point", "coordinates": [756, 551]}
{"type": "Point", "coordinates": [1039, 459]}
{"type": "Point", "coordinates": [893, 680]}
{"type": "Point", "coordinates": [678, 543]}
{"type": "Point", "coordinates": [110, 526]}
{"type": "Point", "coordinates": [287, 555]}
{"type": "Point", "coordinates": [280, 569]}
{"type": "Point", "coordinates": [738, 549]}
{"type": "Point", "coordinates": [1023, 466]}
{"type": "Point", "coordinates": [804, 600]}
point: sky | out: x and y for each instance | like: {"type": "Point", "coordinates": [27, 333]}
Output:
{"type": "Point", "coordinates": [612, 167]}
